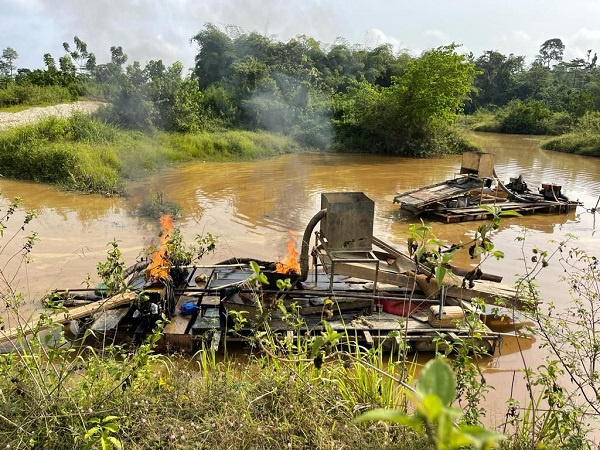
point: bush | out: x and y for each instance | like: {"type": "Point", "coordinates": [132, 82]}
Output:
{"type": "Point", "coordinates": [525, 118]}
{"type": "Point", "coordinates": [15, 94]}
{"type": "Point", "coordinates": [583, 140]}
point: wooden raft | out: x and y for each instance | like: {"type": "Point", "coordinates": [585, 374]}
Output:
{"type": "Point", "coordinates": [417, 199]}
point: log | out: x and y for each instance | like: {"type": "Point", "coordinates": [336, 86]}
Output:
{"type": "Point", "coordinates": [66, 316]}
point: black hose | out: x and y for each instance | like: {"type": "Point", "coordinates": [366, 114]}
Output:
{"type": "Point", "coordinates": [306, 241]}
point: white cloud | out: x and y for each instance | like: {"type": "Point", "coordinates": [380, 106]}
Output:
{"type": "Point", "coordinates": [583, 40]}
{"type": "Point", "coordinates": [375, 37]}
{"type": "Point", "coordinates": [439, 36]}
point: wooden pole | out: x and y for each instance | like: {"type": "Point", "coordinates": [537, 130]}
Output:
{"type": "Point", "coordinates": [66, 316]}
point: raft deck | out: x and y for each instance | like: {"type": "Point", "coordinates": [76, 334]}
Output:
{"type": "Point", "coordinates": [354, 310]}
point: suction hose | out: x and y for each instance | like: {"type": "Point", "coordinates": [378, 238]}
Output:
{"type": "Point", "coordinates": [306, 241]}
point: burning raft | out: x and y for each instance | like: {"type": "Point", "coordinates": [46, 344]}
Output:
{"type": "Point", "coordinates": [361, 285]}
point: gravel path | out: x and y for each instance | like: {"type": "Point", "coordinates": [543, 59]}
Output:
{"type": "Point", "coordinates": [9, 120]}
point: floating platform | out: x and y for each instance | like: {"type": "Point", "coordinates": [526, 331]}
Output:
{"type": "Point", "coordinates": [349, 305]}
{"type": "Point", "coordinates": [470, 193]}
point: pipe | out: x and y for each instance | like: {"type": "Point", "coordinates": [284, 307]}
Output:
{"type": "Point", "coordinates": [306, 241]}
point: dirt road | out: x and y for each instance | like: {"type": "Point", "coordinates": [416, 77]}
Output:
{"type": "Point", "coordinates": [9, 120]}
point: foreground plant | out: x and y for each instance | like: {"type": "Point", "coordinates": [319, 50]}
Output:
{"type": "Point", "coordinates": [564, 391]}
{"type": "Point", "coordinates": [434, 417]}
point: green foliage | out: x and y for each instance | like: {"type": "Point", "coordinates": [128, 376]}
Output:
{"type": "Point", "coordinates": [26, 95]}
{"type": "Point", "coordinates": [7, 66]}
{"type": "Point", "coordinates": [112, 271]}
{"type": "Point", "coordinates": [563, 392]}
{"type": "Point", "coordinates": [414, 115]}
{"type": "Point", "coordinates": [526, 118]}
{"type": "Point", "coordinates": [89, 155]}
{"type": "Point", "coordinates": [583, 140]}
{"type": "Point", "coordinates": [102, 433]}
{"type": "Point", "coordinates": [67, 152]}
{"type": "Point", "coordinates": [435, 391]}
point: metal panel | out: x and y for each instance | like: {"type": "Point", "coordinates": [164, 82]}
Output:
{"type": "Point", "coordinates": [348, 223]}
{"type": "Point", "coordinates": [480, 164]}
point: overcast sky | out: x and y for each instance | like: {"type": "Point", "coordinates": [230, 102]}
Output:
{"type": "Point", "coordinates": [161, 29]}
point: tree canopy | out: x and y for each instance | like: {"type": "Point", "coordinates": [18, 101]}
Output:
{"type": "Point", "coordinates": [337, 95]}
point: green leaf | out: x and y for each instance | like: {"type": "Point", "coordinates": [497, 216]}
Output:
{"type": "Point", "coordinates": [115, 442]}
{"type": "Point", "coordinates": [509, 213]}
{"type": "Point", "coordinates": [316, 346]}
{"type": "Point", "coordinates": [255, 267]}
{"type": "Point", "coordinates": [440, 273]}
{"type": "Point", "coordinates": [431, 407]}
{"type": "Point", "coordinates": [92, 431]}
{"type": "Point", "coordinates": [112, 427]}
{"type": "Point", "coordinates": [391, 415]}
{"type": "Point", "coordinates": [438, 379]}
{"type": "Point", "coordinates": [480, 437]}
{"type": "Point", "coordinates": [110, 419]}
{"type": "Point", "coordinates": [263, 278]}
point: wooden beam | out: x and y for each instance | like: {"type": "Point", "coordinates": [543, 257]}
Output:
{"type": "Point", "coordinates": [66, 316]}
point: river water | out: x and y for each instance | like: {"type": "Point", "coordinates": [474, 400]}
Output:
{"type": "Point", "coordinates": [252, 206]}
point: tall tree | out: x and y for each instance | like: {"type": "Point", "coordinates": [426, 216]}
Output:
{"type": "Point", "coordinates": [495, 81]}
{"type": "Point", "coordinates": [551, 50]}
{"type": "Point", "coordinates": [216, 56]}
{"type": "Point", "coordinates": [7, 66]}
{"type": "Point", "coordinates": [84, 60]}
{"type": "Point", "coordinates": [413, 115]}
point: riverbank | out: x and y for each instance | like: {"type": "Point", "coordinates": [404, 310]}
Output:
{"type": "Point", "coordinates": [85, 154]}
{"type": "Point", "coordinates": [142, 400]}
{"type": "Point", "coordinates": [582, 138]}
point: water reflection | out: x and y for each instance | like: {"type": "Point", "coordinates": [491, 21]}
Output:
{"type": "Point", "coordinates": [252, 205]}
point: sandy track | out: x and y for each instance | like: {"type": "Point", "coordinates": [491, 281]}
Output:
{"type": "Point", "coordinates": [32, 115]}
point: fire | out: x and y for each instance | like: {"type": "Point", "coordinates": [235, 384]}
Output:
{"type": "Point", "coordinates": [290, 263]}
{"type": "Point", "coordinates": [158, 269]}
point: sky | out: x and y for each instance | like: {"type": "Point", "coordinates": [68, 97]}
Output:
{"type": "Point", "coordinates": [161, 29]}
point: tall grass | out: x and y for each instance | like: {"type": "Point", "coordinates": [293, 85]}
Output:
{"type": "Point", "coordinates": [85, 154]}
{"type": "Point", "coordinates": [583, 140]}
{"type": "Point", "coordinates": [19, 96]}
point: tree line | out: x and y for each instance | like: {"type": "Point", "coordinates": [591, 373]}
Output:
{"type": "Point", "coordinates": [338, 96]}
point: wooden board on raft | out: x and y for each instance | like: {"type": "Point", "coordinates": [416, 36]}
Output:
{"type": "Point", "coordinates": [80, 312]}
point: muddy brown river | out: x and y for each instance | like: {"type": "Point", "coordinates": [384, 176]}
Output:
{"type": "Point", "coordinates": [251, 206]}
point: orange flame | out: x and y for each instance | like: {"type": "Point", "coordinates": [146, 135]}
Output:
{"type": "Point", "coordinates": [158, 269]}
{"type": "Point", "coordinates": [290, 263]}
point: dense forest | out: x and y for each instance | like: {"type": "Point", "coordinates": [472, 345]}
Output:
{"type": "Point", "coordinates": [335, 96]}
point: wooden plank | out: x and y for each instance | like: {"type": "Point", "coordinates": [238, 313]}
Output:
{"type": "Point", "coordinates": [109, 320]}
{"type": "Point", "coordinates": [72, 314]}
{"type": "Point", "coordinates": [368, 337]}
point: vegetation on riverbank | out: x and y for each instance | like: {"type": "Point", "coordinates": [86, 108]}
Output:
{"type": "Point", "coordinates": [17, 97]}
{"type": "Point", "coordinates": [584, 139]}
{"type": "Point", "coordinates": [291, 393]}
{"type": "Point", "coordinates": [89, 155]}
{"type": "Point", "coordinates": [339, 97]}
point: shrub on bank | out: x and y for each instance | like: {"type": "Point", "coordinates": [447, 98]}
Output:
{"type": "Point", "coordinates": [583, 140]}
{"type": "Point", "coordinates": [26, 95]}
{"type": "Point", "coordinates": [85, 154]}
{"type": "Point", "coordinates": [519, 117]}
